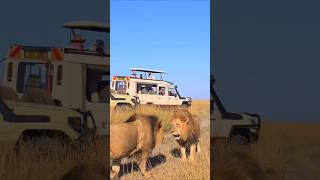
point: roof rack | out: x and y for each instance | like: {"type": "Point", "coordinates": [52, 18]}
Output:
{"type": "Point", "coordinates": [148, 70]}
{"type": "Point", "coordinates": [145, 71]}
{"type": "Point", "coordinates": [88, 25]}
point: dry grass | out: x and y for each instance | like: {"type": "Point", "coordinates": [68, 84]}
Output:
{"type": "Point", "coordinates": [291, 150]}
{"type": "Point", "coordinates": [199, 108]}
{"type": "Point", "coordinates": [170, 166]}
{"type": "Point", "coordinates": [33, 165]}
{"type": "Point", "coordinates": [91, 165]}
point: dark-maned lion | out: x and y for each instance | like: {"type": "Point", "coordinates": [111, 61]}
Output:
{"type": "Point", "coordinates": [186, 131]}
{"type": "Point", "coordinates": [136, 136]}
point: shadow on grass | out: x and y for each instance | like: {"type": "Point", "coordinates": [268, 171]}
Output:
{"type": "Point", "coordinates": [176, 153]}
{"type": "Point", "coordinates": [152, 162]}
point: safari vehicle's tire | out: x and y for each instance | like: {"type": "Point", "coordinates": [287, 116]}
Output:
{"type": "Point", "coordinates": [239, 139]}
{"type": "Point", "coordinates": [42, 144]}
{"type": "Point", "coordinates": [184, 106]}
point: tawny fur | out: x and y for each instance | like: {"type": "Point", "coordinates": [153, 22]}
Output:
{"type": "Point", "coordinates": [188, 128]}
{"type": "Point", "coordinates": [137, 136]}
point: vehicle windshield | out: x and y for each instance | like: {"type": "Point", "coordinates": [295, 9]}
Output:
{"type": "Point", "coordinates": [120, 86]}
{"type": "Point", "coordinates": [34, 75]}
{"type": "Point", "coordinates": [173, 92]}
{"type": "Point", "coordinates": [178, 93]}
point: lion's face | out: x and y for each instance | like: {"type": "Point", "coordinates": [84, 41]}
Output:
{"type": "Point", "coordinates": [179, 127]}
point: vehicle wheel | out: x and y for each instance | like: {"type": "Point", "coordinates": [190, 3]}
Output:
{"type": "Point", "coordinates": [239, 139]}
{"type": "Point", "coordinates": [41, 145]}
{"type": "Point", "coordinates": [184, 106]}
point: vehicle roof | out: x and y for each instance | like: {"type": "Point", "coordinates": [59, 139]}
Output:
{"type": "Point", "coordinates": [152, 80]}
{"type": "Point", "coordinates": [148, 70]}
{"type": "Point", "coordinates": [88, 25]}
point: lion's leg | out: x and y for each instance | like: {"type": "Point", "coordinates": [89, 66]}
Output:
{"type": "Point", "coordinates": [143, 164]}
{"type": "Point", "coordinates": [192, 151]}
{"type": "Point", "coordinates": [198, 147]}
{"type": "Point", "coordinates": [115, 169]}
{"type": "Point", "coordinates": [183, 152]}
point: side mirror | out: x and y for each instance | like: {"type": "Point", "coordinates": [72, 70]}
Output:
{"type": "Point", "coordinates": [57, 102]}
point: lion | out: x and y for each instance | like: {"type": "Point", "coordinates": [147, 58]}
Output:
{"type": "Point", "coordinates": [137, 137]}
{"type": "Point", "coordinates": [186, 131]}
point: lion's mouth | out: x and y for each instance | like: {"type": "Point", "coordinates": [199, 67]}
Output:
{"type": "Point", "coordinates": [176, 136]}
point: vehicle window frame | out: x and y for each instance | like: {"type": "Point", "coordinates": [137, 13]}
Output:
{"type": "Point", "coordinates": [20, 82]}
{"type": "Point", "coordinates": [148, 85]}
{"type": "Point", "coordinates": [105, 72]}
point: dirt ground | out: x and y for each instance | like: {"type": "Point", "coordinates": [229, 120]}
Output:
{"type": "Point", "coordinates": [166, 162]}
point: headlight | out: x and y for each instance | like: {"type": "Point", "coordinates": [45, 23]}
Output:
{"type": "Point", "coordinates": [75, 123]}
{"type": "Point", "coordinates": [137, 100]}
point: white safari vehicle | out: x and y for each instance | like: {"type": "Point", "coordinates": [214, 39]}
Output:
{"type": "Point", "coordinates": [75, 76]}
{"type": "Point", "coordinates": [235, 128]}
{"type": "Point", "coordinates": [148, 89]}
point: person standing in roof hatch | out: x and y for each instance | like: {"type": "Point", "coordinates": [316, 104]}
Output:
{"type": "Point", "coordinates": [77, 42]}
{"type": "Point", "coordinates": [99, 46]}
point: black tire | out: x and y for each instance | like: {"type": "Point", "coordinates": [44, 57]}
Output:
{"type": "Point", "coordinates": [239, 139]}
{"type": "Point", "coordinates": [42, 145]}
{"type": "Point", "coordinates": [184, 106]}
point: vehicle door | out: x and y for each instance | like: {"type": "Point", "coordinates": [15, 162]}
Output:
{"type": "Point", "coordinates": [173, 97]}
{"type": "Point", "coordinates": [147, 93]}
{"type": "Point", "coordinates": [97, 98]}
{"type": "Point", "coordinates": [162, 96]}
{"type": "Point", "coordinates": [34, 74]}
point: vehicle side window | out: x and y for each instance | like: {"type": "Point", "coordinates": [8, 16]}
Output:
{"type": "Point", "coordinates": [97, 84]}
{"type": "Point", "coordinates": [162, 90]}
{"type": "Point", "coordinates": [147, 89]}
{"type": "Point", "coordinates": [172, 92]}
{"type": "Point", "coordinates": [34, 75]}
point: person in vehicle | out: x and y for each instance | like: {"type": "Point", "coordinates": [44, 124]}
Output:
{"type": "Point", "coordinates": [77, 42]}
{"type": "Point", "coordinates": [161, 91]}
{"type": "Point", "coordinates": [99, 46]}
{"type": "Point", "coordinates": [144, 90]}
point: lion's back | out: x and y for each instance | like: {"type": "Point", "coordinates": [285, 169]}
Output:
{"type": "Point", "coordinates": [126, 137]}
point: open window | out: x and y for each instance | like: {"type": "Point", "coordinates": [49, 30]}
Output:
{"type": "Point", "coordinates": [162, 91]}
{"type": "Point", "coordinates": [172, 92]}
{"type": "Point", "coordinates": [97, 84]}
{"type": "Point", "coordinates": [144, 88]}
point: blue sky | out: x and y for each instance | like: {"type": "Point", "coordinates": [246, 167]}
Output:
{"type": "Point", "coordinates": [266, 57]}
{"type": "Point", "coordinates": [173, 36]}
{"type": "Point", "coordinates": [39, 22]}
